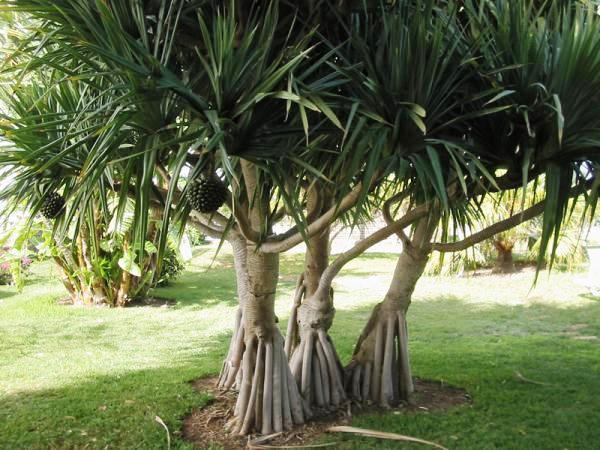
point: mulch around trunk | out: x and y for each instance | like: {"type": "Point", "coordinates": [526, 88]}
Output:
{"type": "Point", "coordinates": [206, 426]}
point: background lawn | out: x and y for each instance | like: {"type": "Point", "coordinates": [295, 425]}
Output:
{"type": "Point", "coordinates": [72, 377]}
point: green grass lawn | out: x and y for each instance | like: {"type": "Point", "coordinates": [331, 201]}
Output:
{"type": "Point", "coordinates": [72, 377]}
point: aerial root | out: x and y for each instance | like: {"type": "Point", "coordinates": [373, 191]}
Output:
{"type": "Point", "coordinates": [268, 399]}
{"type": "Point", "coordinates": [228, 378]}
{"type": "Point", "coordinates": [317, 371]}
{"type": "Point", "coordinates": [380, 369]}
{"type": "Point", "coordinates": [291, 337]}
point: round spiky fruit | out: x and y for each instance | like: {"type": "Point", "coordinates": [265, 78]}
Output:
{"type": "Point", "coordinates": [207, 194]}
{"type": "Point", "coordinates": [52, 205]}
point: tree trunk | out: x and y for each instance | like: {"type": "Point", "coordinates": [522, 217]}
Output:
{"type": "Point", "coordinates": [230, 375]}
{"type": "Point", "coordinates": [504, 260]}
{"type": "Point", "coordinates": [97, 285]}
{"type": "Point", "coordinates": [268, 399]}
{"type": "Point", "coordinates": [313, 359]}
{"type": "Point", "coordinates": [122, 297]}
{"type": "Point", "coordinates": [379, 371]}
{"type": "Point", "coordinates": [68, 280]}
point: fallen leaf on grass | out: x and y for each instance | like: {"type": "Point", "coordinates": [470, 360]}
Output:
{"type": "Point", "coordinates": [527, 380]}
{"type": "Point", "coordinates": [383, 435]}
{"type": "Point", "coordinates": [259, 443]}
{"type": "Point", "coordinates": [160, 421]}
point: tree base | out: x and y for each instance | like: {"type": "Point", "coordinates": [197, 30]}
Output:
{"type": "Point", "coordinates": [204, 426]}
{"type": "Point", "coordinates": [504, 262]}
{"type": "Point", "coordinates": [379, 372]}
{"type": "Point", "coordinates": [318, 372]}
{"type": "Point", "coordinates": [268, 399]}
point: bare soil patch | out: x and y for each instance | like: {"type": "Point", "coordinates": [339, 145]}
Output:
{"type": "Point", "coordinates": [155, 302]}
{"type": "Point", "coordinates": [206, 426]}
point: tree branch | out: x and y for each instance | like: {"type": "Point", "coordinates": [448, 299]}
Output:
{"type": "Point", "coordinates": [278, 215]}
{"type": "Point", "coordinates": [163, 173]}
{"type": "Point", "coordinates": [492, 230]}
{"type": "Point", "coordinates": [342, 259]}
{"type": "Point", "coordinates": [199, 222]}
{"type": "Point", "coordinates": [281, 243]}
{"type": "Point", "coordinates": [242, 219]}
{"type": "Point", "coordinates": [387, 215]}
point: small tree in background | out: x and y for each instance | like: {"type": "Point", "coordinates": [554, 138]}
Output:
{"type": "Point", "coordinates": [93, 246]}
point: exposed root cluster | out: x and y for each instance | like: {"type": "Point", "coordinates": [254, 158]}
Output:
{"type": "Point", "coordinates": [230, 375]}
{"type": "Point", "coordinates": [268, 400]}
{"type": "Point", "coordinates": [317, 370]}
{"type": "Point", "coordinates": [380, 368]}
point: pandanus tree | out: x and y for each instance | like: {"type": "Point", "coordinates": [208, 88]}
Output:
{"type": "Point", "coordinates": [261, 116]}
{"type": "Point", "coordinates": [396, 105]}
{"type": "Point", "coordinates": [416, 107]}
{"type": "Point", "coordinates": [546, 125]}
{"type": "Point", "coordinates": [385, 96]}
{"type": "Point", "coordinates": [311, 111]}
{"type": "Point", "coordinates": [237, 80]}
{"type": "Point", "coordinates": [307, 342]}
{"type": "Point", "coordinates": [48, 141]}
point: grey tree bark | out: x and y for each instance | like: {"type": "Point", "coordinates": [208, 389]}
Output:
{"type": "Point", "coordinates": [268, 399]}
{"type": "Point", "coordinates": [380, 372]}
{"type": "Point", "coordinates": [311, 352]}
{"type": "Point", "coordinates": [313, 359]}
{"type": "Point", "coordinates": [230, 375]}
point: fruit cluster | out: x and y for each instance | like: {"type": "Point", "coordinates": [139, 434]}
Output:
{"type": "Point", "coordinates": [52, 205]}
{"type": "Point", "coordinates": [207, 194]}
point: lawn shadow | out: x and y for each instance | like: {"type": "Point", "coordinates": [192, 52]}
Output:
{"type": "Point", "coordinates": [6, 293]}
{"type": "Point", "coordinates": [117, 410]}
{"type": "Point", "coordinates": [109, 411]}
{"type": "Point", "coordinates": [595, 298]}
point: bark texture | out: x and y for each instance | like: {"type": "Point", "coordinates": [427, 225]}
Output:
{"type": "Point", "coordinates": [313, 360]}
{"type": "Point", "coordinates": [379, 371]}
{"type": "Point", "coordinates": [268, 399]}
{"type": "Point", "coordinates": [230, 375]}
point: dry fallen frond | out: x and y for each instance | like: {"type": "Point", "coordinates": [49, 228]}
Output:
{"type": "Point", "coordinates": [160, 421]}
{"type": "Point", "coordinates": [259, 443]}
{"type": "Point", "coordinates": [527, 380]}
{"type": "Point", "coordinates": [383, 435]}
